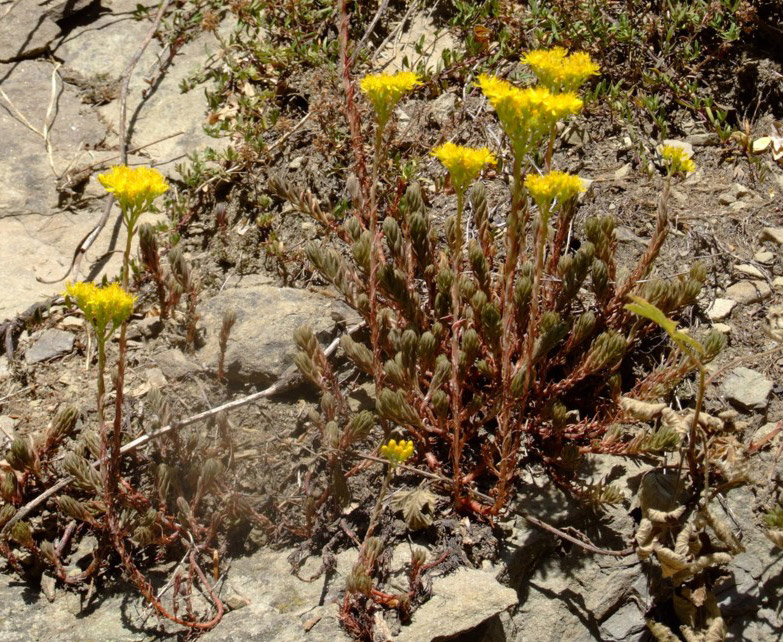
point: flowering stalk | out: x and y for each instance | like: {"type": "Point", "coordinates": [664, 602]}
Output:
{"type": "Point", "coordinates": [464, 165]}
{"type": "Point", "coordinates": [135, 190]}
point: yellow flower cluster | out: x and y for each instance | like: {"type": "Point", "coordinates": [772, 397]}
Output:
{"type": "Point", "coordinates": [527, 114]}
{"type": "Point", "coordinates": [397, 453]}
{"type": "Point", "coordinates": [463, 163]}
{"type": "Point", "coordinates": [134, 187]}
{"type": "Point", "coordinates": [105, 307]}
{"type": "Point", "coordinates": [559, 71]}
{"type": "Point", "coordinates": [554, 185]}
{"type": "Point", "coordinates": [385, 91]}
{"type": "Point", "coordinates": [677, 160]}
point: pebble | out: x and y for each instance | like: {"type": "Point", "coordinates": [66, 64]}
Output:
{"type": "Point", "coordinates": [764, 431]}
{"type": "Point", "coordinates": [726, 198]}
{"type": "Point", "coordinates": [747, 388]}
{"type": "Point", "coordinates": [51, 344]}
{"type": "Point", "coordinates": [745, 292]}
{"type": "Point", "coordinates": [720, 309]}
{"type": "Point", "coordinates": [72, 323]}
{"type": "Point", "coordinates": [778, 283]}
{"type": "Point", "coordinates": [296, 163]}
{"type": "Point", "coordinates": [738, 190]}
{"type": "Point", "coordinates": [764, 256]}
{"type": "Point", "coordinates": [702, 140]}
{"type": "Point", "coordinates": [749, 270]}
{"type": "Point", "coordinates": [623, 171]}
{"type": "Point", "coordinates": [738, 205]}
{"type": "Point", "coordinates": [774, 234]}
{"type": "Point", "coordinates": [723, 328]}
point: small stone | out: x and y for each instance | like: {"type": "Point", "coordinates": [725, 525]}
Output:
{"type": "Point", "coordinates": [723, 328]}
{"type": "Point", "coordinates": [175, 365]}
{"type": "Point", "coordinates": [745, 292]}
{"type": "Point", "coordinates": [155, 377]}
{"type": "Point", "coordinates": [747, 388]}
{"type": "Point", "coordinates": [749, 270]}
{"type": "Point", "coordinates": [623, 171]}
{"type": "Point", "coordinates": [442, 108]}
{"type": "Point", "coordinates": [703, 140]}
{"type": "Point", "coordinates": [48, 584]}
{"type": "Point", "coordinates": [736, 206]}
{"type": "Point", "coordinates": [6, 427]}
{"type": "Point", "coordinates": [51, 344]}
{"type": "Point", "coordinates": [625, 234]}
{"type": "Point", "coordinates": [460, 602]}
{"type": "Point", "coordinates": [5, 371]}
{"type": "Point", "coordinates": [237, 601]}
{"type": "Point", "coordinates": [763, 434]}
{"type": "Point", "coordinates": [778, 283]}
{"type": "Point", "coordinates": [764, 257]}
{"type": "Point", "coordinates": [296, 163]}
{"type": "Point", "coordinates": [25, 30]}
{"type": "Point", "coordinates": [72, 323]}
{"type": "Point", "coordinates": [774, 234]}
{"type": "Point", "coordinates": [739, 191]}
{"type": "Point", "coordinates": [726, 198]}
{"type": "Point", "coordinates": [720, 309]}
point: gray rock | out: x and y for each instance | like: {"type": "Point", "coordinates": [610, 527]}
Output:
{"type": "Point", "coordinates": [625, 625]}
{"type": "Point", "coordinates": [702, 140]}
{"type": "Point", "coordinates": [748, 291]}
{"type": "Point", "coordinates": [720, 309]}
{"type": "Point", "coordinates": [442, 108]}
{"type": "Point", "coordinates": [261, 345]}
{"type": "Point", "coordinates": [51, 344]}
{"type": "Point", "coordinates": [460, 602]}
{"type": "Point", "coordinates": [747, 269]}
{"type": "Point", "coordinates": [25, 31]}
{"type": "Point", "coordinates": [765, 257]}
{"type": "Point", "coordinates": [774, 234]}
{"type": "Point", "coordinates": [68, 8]}
{"type": "Point", "coordinates": [726, 198]}
{"type": "Point", "coordinates": [176, 365]}
{"type": "Point", "coordinates": [739, 191]}
{"type": "Point", "coordinates": [747, 388]}
{"type": "Point", "coordinates": [625, 234]}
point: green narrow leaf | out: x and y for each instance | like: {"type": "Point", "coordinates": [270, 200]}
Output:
{"type": "Point", "coordinates": [644, 308]}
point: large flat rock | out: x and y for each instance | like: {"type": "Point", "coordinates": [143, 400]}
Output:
{"type": "Point", "coordinates": [261, 345]}
{"type": "Point", "coordinates": [25, 31]}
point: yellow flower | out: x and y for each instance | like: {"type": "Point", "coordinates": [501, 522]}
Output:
{"type": "Point", "coordinates": [527, 114]}
{"type": "Point", "coordinates": [385, 91]}
{"type": "Point", "coordinates": [102, 307]}
{"type": "Point", "coordinates": [677, 160]}
{"type": "Point", "coordinates": [555, 185]}
{"type": "Point", "coordinates": [397, 453]}
{"type": "Point", "coordinates": [559, 71]}
{"type": "Point", "coordinates": [463, 163]}
{"type": "Point", "coordinates": [134, 187]}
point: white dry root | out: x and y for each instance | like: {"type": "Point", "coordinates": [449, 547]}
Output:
{"type": "Point", "coordinates": [685, 561]}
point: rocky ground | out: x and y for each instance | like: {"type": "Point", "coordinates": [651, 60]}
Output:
{"type": "Point", "coordinates": [60, 117]}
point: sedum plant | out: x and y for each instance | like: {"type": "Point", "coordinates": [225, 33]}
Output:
{"type": "Point", "coordinates": [512, 340]}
